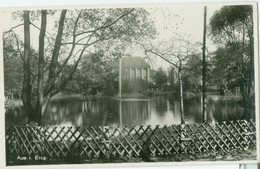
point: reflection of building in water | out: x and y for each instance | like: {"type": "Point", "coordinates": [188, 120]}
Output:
{"type": "Point", "coordinates": [95, 112]}
{"type": "Point", "coordinates": [135, 112]}
{"type": "Point", "coordinates": [107, 112]}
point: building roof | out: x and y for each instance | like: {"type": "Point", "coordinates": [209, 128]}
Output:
{"type": "Point", "coordinates": [129, 62]}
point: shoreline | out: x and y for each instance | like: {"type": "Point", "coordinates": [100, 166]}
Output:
{"type": "Point", "coordinates": [18, 102]}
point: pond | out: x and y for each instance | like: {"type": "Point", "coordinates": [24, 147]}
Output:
{"type": "Point", "coordinates": [105, 111]}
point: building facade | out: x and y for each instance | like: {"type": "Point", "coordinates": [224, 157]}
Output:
{"type": "Point", "coordinates": [134, 68]}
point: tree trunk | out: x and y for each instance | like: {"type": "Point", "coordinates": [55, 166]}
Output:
{"type": "Point", "coordinates": [251, 65]}
{"type": "Point", "coordinates": [45, 102]}
{"type": "Point", "coordinates": [39, 103]}
{"type": "Point", "coordinates": [27, 88]}
{"type": "Point", "coordinates": [247, 101]}
{"type": "Point", "coordinates": [181, 97]}
{"type": "Point", "coordinates": [56, 50]}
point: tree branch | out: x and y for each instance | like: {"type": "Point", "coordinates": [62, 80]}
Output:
{"type": "Point", "coordinates": [20, 52]}
{"type": "Point", "coordinates": [11, 30]}
{"type": "Point", "coordinates": [57, 45]}
{"type": "Point", "coordinates": [106, 26]}
{"type": "Point", "coordinates": [44, 35]}
{"type": "Point", "coordinates": [164, 58]}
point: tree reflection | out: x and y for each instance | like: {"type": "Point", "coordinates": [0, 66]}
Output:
{"type": "Point", "coordinates": [104, 111]}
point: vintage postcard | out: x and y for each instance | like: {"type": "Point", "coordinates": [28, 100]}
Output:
{"type": "Point", "coordinates": [130, 85]}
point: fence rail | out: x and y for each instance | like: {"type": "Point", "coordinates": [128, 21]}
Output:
{"type": "Point", "coordinates": [129, 142]}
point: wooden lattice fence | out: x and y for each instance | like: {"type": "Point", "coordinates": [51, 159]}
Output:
{"type": "Point", "coordinates": [129, 142]}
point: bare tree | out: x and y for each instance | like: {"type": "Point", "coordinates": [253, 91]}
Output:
{"type": "Point", "coordinates": [176, 52]}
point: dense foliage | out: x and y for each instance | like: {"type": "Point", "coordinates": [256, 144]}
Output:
{"type": "Point", "coordinates": [232, 30]}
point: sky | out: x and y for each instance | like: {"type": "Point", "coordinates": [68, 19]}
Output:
{"type": "Point", "coordinates": [189, 18]}
{"type": "Point", "coordinates": [183, 19]}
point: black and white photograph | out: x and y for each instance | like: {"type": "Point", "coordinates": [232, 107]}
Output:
{"type": "Point", "coordinates": [173, 83]}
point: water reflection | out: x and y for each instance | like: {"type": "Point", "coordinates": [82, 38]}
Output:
{"type": "Point", "coordinates": [105, 111]}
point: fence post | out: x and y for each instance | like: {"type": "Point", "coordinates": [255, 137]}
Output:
{"type": "Point", "coordinates": [246, 136]}
{"type": "Point", "coordinates": [107, 141]}
{"type": "Point", "coordinates": [182, 137]}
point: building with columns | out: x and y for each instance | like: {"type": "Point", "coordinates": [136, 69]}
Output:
{"type": "Point", "coordinates": [134, 68]}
